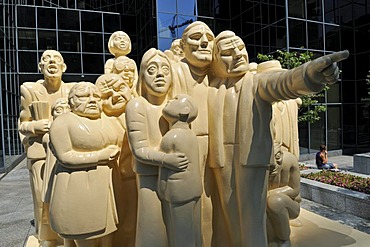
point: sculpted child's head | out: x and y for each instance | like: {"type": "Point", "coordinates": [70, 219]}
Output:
{"type": "Point", "coordinates": [119, 44]}
{"type": "Point", "coordinates": [181, 108]}
{"type": "Point", "coordinates": [60, 106]}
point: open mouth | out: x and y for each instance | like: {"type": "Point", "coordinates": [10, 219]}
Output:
{"type": "Point", "coordinates": [52, 69]}
{"type": "Point", "coordinates": [240, 62]}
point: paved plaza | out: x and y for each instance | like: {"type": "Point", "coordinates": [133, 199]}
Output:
{"type": "Point", "coordinates": [16, 212]}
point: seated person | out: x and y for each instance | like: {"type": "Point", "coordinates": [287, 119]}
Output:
{"type": "Point", "coordinates": [322, 159]}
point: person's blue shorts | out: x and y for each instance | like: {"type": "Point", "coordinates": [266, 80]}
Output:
{"type": "Point", "coordinates": [327, 166]}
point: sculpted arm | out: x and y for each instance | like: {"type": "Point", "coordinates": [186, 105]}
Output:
{"type": "Point", "coordinates": [64, 150]}
{"type": "Point", "coordinates": [108, 67]}
{"type": "Point", "coordinates": [137, 132]}
{"type": "Point", "coordinates": [310, 77]}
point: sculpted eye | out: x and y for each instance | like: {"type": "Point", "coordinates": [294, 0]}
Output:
{"type": "Point", "coordinates": [152, 69]}
{"type": "Point", "coordinates": [226, 53]}
{"type": "Point", "coordinates": [46, 58]}
{"type": "Point", "coordinates": [210, 37]}
{"type": "Point", "coordinates": [195, 36]}
{"type": "Point", "coordinates": [58, 59]}
{"type": "Point", "coordinates": [166, 70]}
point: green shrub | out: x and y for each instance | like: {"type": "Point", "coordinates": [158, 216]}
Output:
{"type": "Point", "coordinates": [340, 179]}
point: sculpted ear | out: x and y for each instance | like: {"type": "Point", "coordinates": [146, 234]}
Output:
{"type": "Point", "coordinates": [39, 66]}
{"type": "Point", "coordinates": [64, 67]}
{"type": "Point", "coordinates": [182, 44]}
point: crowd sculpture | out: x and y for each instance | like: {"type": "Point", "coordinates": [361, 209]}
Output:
{"type": "Point", "coordinates": [194, 150]}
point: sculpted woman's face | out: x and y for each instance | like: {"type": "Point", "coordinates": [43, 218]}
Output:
{"type": "Point", "coordinates": [157, 76]}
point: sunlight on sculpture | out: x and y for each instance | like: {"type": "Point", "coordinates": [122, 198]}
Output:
{"type": "Point", "coordinates": [200, 148]}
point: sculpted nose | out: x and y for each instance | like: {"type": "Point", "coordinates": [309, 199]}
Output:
{"type": "Point", "coordinates": [204, 41]}
{"type": "Point", "coordinates": [237, 53]}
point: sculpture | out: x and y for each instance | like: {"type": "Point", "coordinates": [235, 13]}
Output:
{"type": "Point", "coordinates": [119, 45]}
{"type": "Point", "coordinates": [34, 122]}
{"type": "Point", "coordinates": [243, 102]}
{"type": "Point", "coordinates": [175, 53]}
{"type": "Point", "coordinates": [180, 191]}
{"type": "Point", "coordinates": [82, 206]}
{"type": "Point", "coordinates": [118, 155]}
{"type": "Point", "coordinates": [115, 95]}
{"type": "Point", "coordinates": [145, 127]}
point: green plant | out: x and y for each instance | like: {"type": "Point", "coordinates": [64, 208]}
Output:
{"type": "Point", "coordinates": [340, 179]}
{"type": "Point", "coordinates": [311, 108]}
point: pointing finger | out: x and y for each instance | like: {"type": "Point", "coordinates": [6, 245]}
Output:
{"type": "Point", "coordinates": [338, 56]}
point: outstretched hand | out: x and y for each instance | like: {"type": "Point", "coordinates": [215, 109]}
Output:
{"type": "Point", "coordinates": [325, 69]}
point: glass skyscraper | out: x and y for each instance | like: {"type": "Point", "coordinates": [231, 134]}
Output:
{"type": "Point", "coordinates": [80, 31]}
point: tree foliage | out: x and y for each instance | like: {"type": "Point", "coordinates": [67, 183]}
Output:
{"type": "Point", "coordinates": [311, 108]}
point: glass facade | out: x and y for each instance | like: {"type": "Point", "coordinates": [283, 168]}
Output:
{"type": "Point", "coordinates": [80, 31]}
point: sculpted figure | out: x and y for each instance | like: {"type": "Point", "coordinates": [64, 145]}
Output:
{"type": "Point", "coordinates": [82, 206]}
{"type": "Point", "coordinates": [197, 45]}
{"type": "Point", "coordinates": [241, 147]}
{"type": "Point", "coordinates": [175, 53]}
{"type": "Point", "coordinates": [180, 191]}
{"type": "Point", "coordinates": [119, 46]}
{"type": "Point", "coordinates": [115, 95]}
{"type": "Point", "coordinates": [283, 197]}
{"type": "Point", "coordinates": [34, 122]}
{"type": "Point", "coordinates": [145, 127]}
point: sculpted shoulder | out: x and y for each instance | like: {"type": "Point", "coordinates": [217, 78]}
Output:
{"type": "Point", "coordinates": [136, 104]}
{"type": "Point", "coordinates": [33, 86]}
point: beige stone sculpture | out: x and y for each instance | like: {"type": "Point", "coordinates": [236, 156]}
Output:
{"type": "Point", "coordinates": [241, 147]}
{"type": "Point", "coordinates": [115, 95]}
{"type": "Point", "coordinates": [34, 122]}
{"type": "Point", "coordinates": [283, 197]}
{"type": "Point", "coordinates": [145, 126]}
{"type": "Point", "coordinates": [197, 45]}
{"type": "Point", "coordinates": [175, 53]}
{"type": "Point", "coordinates": [119, 45]}
{"type": "Point", "coordinates": [180, 191]}
{"type": "Point", "coordinates": [82, 206]}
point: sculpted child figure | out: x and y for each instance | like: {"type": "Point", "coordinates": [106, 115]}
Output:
{"type": "Point", "coordinates": [180, 191]}
{"type": "Point", "coordinates": [241, 147]}
{"type": "Point", "coordinates": [34, 122]}
{"type": "Point", "coordinates": [82, 206]}
{"type": "Point", "coordinates": [115, 96]}
{"type": "Point", "coordinates": [283, 197]}
{"type": "Point", "coordinates": [145, 126]}
{"type": "Point", "coordinates": [119, 45]}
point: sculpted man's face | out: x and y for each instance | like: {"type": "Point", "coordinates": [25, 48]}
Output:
{"type": "Point", "coordinates": [61, 107]}
{"type": "Point", "coordinates": [157, 76]}
{"type": "Point", "coordinates": [87, 101]}
{"type": "Point", "coordinates": [115, 94]}
{"type": "Point", "coordinates": [176, 48]}
{"type": "Point", "coordinates": [52, 64]}
{"type": "Point", "coordinates": [232, 57]}
{"type": "Point", "coordinates": [198, 45]}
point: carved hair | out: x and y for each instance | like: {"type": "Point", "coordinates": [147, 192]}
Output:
{"type": "Point", "coordinates": [221, 36]}
{"type": "Point", "coordinates": [73, 90]}
{"type": "Point", "coordinates": [186, 30]}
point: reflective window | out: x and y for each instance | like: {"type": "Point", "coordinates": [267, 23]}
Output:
{"type": "Point", "coordinates": [349, 91]}
{"type": "Point", "coordinates": [315, 36]}
{"type": "Point", "coordinates": [349, 127]}
{"type": "Point", "coordinates": [182, 22]}
{"type": "Point", "coordinates": [68, 19]}
{"type": "Point", "coordinates": [73, 62]}
{"type": "Point", "coordinates": [331, 11]}
{"type": "Point", "coordinates": [334, 130]}
{"type": "Point", "coordinates": [166, 25]}
{"type": "Point", "coordinates": [167, 5]}
{"type": "Point", "coordinates": [111, 23]}
{"type": "Point", "coordinates": [92, 42]}
{"type": "Point", "coordinates": [164, 44]}
{"type": "Point", "coordinates": [47, 40]}
{"type": "Point", "coordinates": [46, 18]}
{"type": "Point", "coordinates": [91, 21]}
{"type": "Point", "coordinates": [297, 33]}
{"type": "Point", "coordinates": [333, 94]}
{"type": "Point", "coordinates": [296, 8]}
{"type": "Point", "coordinates": [189, 7]}
{"type": "Point", "coordinates": [26, 39]}
{"type": "Point", "coordinates": [332, 38]}
{"type": "Point", "coordinates": [27, 61]}
{"type": "Point", "coordinates": [317, 133]}
{"type": "Point", "coordinates": [69, 41]}
{"type": "Point", "coordinates": [128, 24]}
{"type": "Point", "coordinates": [363, 126]}
{"type": "Point", "coordinates": [26, 17]}
{"type": "Point", "coordinates": [314, 10]}
{"type": "Point", "coordinates": [93, 63]}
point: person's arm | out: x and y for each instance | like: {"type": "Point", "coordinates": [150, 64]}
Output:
{"type": "Point", "coordinates": [324, 157]}
{"type": "Point", "coordinates": [137, 133]}
{"type": "Point", "coordinates": [310, 77]}
{"type": "Point", "coordinates": [62, 147]}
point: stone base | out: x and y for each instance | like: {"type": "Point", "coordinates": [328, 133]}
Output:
{"type": "Point", "coordinates": [319, 231]}
{"type": "Point", "coordinates": [361, 163]}
{"type": "Point", "coordinates": [33, 242]}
